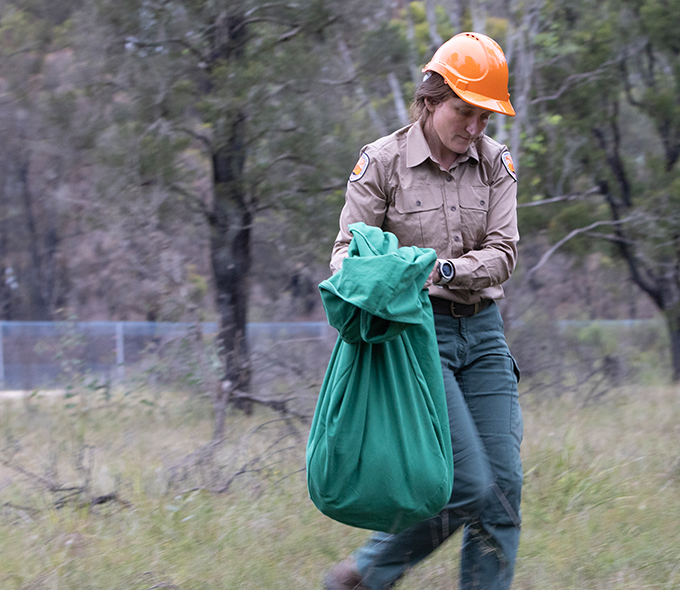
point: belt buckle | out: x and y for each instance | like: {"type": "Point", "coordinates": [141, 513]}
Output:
{"type": "Point", "coordinates": [477, 307]}
{"type": "Point", "coordinates": [453, 311]}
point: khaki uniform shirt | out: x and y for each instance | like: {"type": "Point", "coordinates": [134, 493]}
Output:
{"type": "Point", "coordinates": [467, 214]}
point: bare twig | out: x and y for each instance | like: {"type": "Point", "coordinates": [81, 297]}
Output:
{"type": "Point", "coordinates": [292, 6]}
{"type": "Point", "coordinates": [563, 198]}
{"type": "Point", "coordinates": [17, 507]}
{"type": "Point", "coordinates": [24, 49]}
{"type": "Point", "coordinates": [302, 469]}
{"type": "Point", "coordinates": [289, 35]}
{"type": "Point", "coordinates": [611, 238]}
{"type": "Point", "coordinates": [65, 494]}
{"type": "Point", "coordinates": [164, 42]}
{"type": "Point", "coordinates": [583, 77]}
{"type": "Point", "coordinates": [202, 138]}
{"type": "Point", "coordinates": [572, 234]}
{"type": "Point", "coordinates": [278, 405]}
{"type": "Point", "coordinates": [328, 82]}
{"type": "Point", "coordinates": [50, 485]}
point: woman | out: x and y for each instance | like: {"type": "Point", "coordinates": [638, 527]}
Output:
{"type": "Point", "coordinates": [442, 183]}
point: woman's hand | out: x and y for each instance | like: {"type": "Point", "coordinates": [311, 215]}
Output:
{"type": "Point", "coordinates": [434, 276]}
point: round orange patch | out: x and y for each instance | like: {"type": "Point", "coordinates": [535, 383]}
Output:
{"type": "Point", "coordinates": [360, 168]}
{"type": "Point", "coordinates": [509, 164]}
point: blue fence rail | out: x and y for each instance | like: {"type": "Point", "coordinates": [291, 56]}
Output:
{"type": "Point", "coordinates": [34, 354]}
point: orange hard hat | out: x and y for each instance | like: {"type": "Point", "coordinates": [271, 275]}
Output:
{"type": "Point", "coordinates": [475, 68]}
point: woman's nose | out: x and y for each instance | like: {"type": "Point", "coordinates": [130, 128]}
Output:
{"type": "Point", "coordinates": [475, 127]}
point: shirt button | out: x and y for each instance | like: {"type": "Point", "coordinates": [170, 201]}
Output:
{"type": "Point", "coordinates": [449, 178]}
{"type": "Point", "coordinates": [481, 202]}
{"type": "Point", "coordinates": [456, 238]}
{"type": "Point", "coordinates": [418, 203]}
{"type": "Point", "coordinates": [453, 207]}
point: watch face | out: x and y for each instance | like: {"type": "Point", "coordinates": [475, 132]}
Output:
{"type": "Point", "coordinates": [446, 270]}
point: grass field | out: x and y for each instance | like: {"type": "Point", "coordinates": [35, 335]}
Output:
{"type": "Point", "coordinates": [125, 495]}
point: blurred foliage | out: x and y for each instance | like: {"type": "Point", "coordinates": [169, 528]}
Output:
{"type": "Point", "coordinates": [117, 107]}
{"type": "Point", "coordinates": [384, 49]}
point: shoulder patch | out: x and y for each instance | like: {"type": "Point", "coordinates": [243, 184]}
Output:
{"type": "Point", "coordinates": [509, 164]}
{"type": "Point", "coordinates": [360, 168]}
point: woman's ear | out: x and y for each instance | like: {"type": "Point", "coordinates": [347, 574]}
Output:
{"type": "Point", "coordinates": [429, 105]}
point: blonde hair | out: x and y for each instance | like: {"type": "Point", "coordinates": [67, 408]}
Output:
{"type": "Point", "coordinates": [435, 89]}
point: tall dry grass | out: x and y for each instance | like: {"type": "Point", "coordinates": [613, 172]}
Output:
{"type": "Point", "coordinates": [601, 498]}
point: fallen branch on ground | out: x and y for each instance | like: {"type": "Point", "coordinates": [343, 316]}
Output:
{"type": "Point", "coordinates": [278, 405]}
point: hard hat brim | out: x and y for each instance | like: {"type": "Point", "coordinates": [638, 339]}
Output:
{"type": "Point", "coordinates": [490, 104]}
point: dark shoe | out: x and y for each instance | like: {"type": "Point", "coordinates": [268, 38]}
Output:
{"type": "Point", "coordinates": [343, 576]}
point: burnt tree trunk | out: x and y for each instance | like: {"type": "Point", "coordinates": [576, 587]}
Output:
{"type": "Point", "coordinates": [230, 231]}
{"type": "Point", "coordinates": [43, 248]}
{"type": "Point", "coordinates": [655, 280]}
{"type": "Point", "coordinates": [230, 253]}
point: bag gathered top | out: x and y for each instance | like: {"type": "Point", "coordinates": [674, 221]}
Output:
{"type": "Point", "coordinates": [379, 450]}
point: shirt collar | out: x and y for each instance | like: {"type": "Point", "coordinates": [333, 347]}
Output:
{"type": "Point", "coordinates": [417, 149]}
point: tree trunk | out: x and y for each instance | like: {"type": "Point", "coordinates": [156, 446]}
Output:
{"type": "Point", "coordinates": [230, 253]}
{"type": "Point", "coordinates": [673, 322]}
{"type": "Point", "coordinates": [362, 97]}
{"type": "Point", "coordinates": [5, 292]}
{"type": "Point", "coordinates": [399, 102]}
{"type": "Point", "coordinates": [454, 9]}
{"type": "Point", "coordinates": [661, 288]}
{"type": "Point", "coordinates": [479, 15]}
{"type": "Point", "coordinates": [416, 74]}
{"type": "Point", "coordinates": [40, 279]}
{"type": "Point", "coordinates": [431, 14]}
{"type": "Point", "coordinates": [522, 51]}
{"type": "Point", "coordinates": [230, 229]}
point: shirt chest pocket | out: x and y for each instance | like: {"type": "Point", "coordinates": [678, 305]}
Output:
{"type": "Point", "coordinates": [416, 217]}
{"type": "Point", "coordinates": [474, 209]}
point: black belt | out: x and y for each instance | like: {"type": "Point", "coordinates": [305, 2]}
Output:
{"type": "Point", "coordinates": [458, 310]}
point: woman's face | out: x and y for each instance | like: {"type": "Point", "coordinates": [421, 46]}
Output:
{"type": "Point", "coordinates": [456, 124]}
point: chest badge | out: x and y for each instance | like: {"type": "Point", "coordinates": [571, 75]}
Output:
{"type": "Point", "coordinates": [360, 168]}
{"type": "Point", "coordinates": [509, 164]}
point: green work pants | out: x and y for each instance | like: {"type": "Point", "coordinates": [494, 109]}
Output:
{"type": "Point", "coordinates": [480, 377]}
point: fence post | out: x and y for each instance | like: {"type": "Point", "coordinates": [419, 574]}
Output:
{"type": "Point", "coordinates": [2, 355]}
{"type": "Point", "coordinates": [120, 351]}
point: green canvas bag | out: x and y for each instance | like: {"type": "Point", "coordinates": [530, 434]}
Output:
{"type": "Point", "coordinates": [379, 450]}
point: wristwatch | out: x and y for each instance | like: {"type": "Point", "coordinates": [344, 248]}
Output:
{"type": "Point", "coordinates": [446, 271]}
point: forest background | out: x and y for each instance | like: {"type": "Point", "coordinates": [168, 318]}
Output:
{"type": "Point", "coordinates": [166, 160]}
